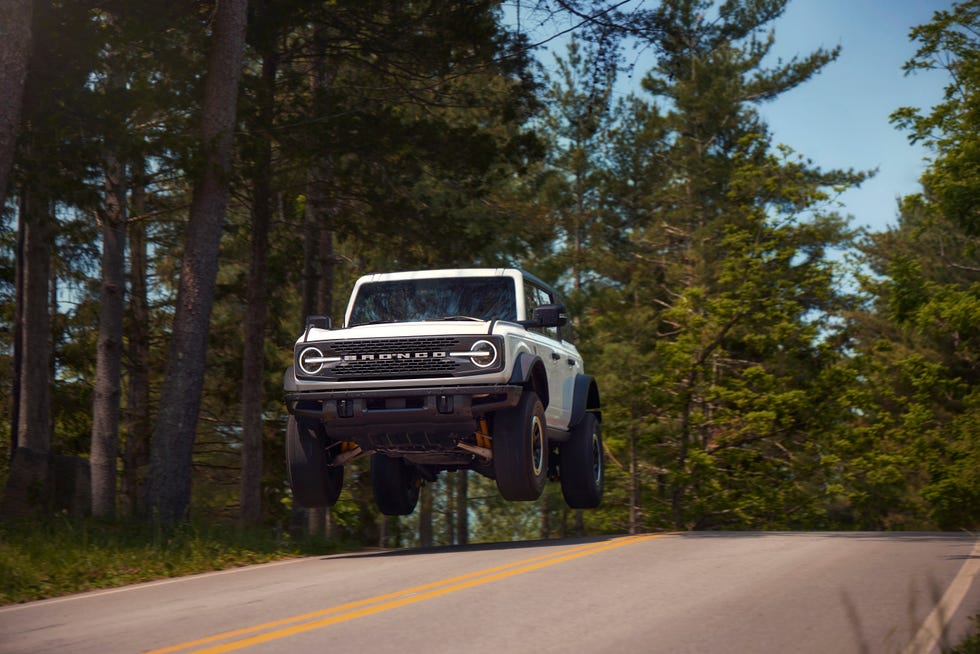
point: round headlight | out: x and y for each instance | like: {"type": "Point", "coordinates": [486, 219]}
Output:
{"type": "Point", "coordinates": [483, 354]}
{"type": "Point", "coordinates": [311, 361]}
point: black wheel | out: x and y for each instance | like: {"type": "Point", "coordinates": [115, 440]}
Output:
{"type": "Point", "coordinates": [581, 466]}
{"type": "Point", "coordinates": [520, 449]}
{"type": "Point", "coordinates": [314, 483]}
{"type": "Point", "coordinates": [396, 485]}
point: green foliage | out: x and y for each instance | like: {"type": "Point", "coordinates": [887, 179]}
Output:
{"type": "Point", "coordinates": [950, 42]}
{"type": "Point", "coordinates": [915, 434]}
{"type": "Point", "coordinates": [62, 556]}
{"type": "Point", "coordinates": [971, 644]}
{"type": "Point", "coordinates": [745, 382]}
{"type": "Point", "coordinates": [711, 292]}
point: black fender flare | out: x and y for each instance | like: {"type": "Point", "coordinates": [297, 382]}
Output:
{"type": "Point", "coordinates": [585, 399]}
{"type": "Point", "coordinates": [529, 371]}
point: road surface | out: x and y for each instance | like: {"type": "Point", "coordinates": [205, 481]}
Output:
{"type": "Point", "coordinates": [691, 592]}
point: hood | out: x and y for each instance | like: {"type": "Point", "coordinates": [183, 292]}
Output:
{"type": "Point", "coordinates": [396, 329]}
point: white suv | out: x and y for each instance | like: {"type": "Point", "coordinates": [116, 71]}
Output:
{"type": "Point", "coordinates": [444, 370]}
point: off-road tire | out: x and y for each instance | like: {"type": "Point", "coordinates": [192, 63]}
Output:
{"type": "Point", "coordinates": [520, 449]}
{"type": "Point", "coordinates": [581, 466]}
{"type": "Point", "coordinates": [396, 485]}
{"type": "Point", "coordinates": [314, 483]}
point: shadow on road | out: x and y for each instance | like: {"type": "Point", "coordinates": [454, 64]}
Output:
{"type": "Point", "coordinates": [907, 536]}
{"type": "Point", "coordinates": [920, 537]}
{"type": "Point", "coordinates": [477, 547]}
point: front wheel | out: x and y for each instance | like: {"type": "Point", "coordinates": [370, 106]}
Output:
{"type": "Point", "coordinates": [520, 449]}
{"type": "Point", "coordinates": [314, 483]}
{"type": "Point", "coordinates": [580, 465]}
{"type": "Point", "coordinates": [396, 485]}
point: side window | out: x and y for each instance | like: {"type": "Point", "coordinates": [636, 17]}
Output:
{"type": "Point", "coordinates": [535, 296]}
{"type": "Point", "coordinates": [529, 300]}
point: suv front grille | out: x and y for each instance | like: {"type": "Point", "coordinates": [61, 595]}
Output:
{"type": "Point", "coordinates": [386, 358]}
{"type": "Point", "coordinates": [394, 345]}
{"type": "Point", "coordinates": [391, 360]}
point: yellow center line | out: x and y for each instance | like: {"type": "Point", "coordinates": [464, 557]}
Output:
{"type": "Point", "coordinates": [365, 607]}
{"type": "Point", "coordinates": [358, 603]}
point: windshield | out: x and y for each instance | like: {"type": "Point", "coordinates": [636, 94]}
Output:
{"type": "Point", "coordinates": [406, 300]}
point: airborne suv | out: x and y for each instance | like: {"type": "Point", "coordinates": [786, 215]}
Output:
{"type": "Point", "coordinates": [443, 370]}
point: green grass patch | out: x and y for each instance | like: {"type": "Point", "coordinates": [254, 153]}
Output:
{"type": "Point", "coordinates": [62, 556]}
{"type": "Point", "coordinates": [971, 645]}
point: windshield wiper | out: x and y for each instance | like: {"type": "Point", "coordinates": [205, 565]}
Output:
{"type": "Point", "coordinates": [456, 318]}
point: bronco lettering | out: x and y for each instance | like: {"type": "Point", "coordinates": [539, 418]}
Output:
{"type": "Point", "coordinates": [389, 356]}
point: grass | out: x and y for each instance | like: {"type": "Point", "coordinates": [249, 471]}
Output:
{"type": "Point", "coordinates": [61, 556]}
{"type": "Point", "coordinates": [971, 645]}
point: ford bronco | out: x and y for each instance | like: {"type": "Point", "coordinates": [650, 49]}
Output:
{"type": "Point", "coordinates": [443, 370]}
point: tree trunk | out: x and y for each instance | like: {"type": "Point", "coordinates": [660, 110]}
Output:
{"type": "Point", "coordinates": [450, 508]}
{"type": "Point", "coordinates": [317, 295]}
{"type": "Point", "coordinates": [634, 482]}
{"type": "Point", "coordinates": [316, 521]}
{"type": "Point", "coordinates": [544, 508]}
{"type": "Point", "coordinates": [27, 484]}
{"type": "Point", "coordinates": [255, 301]}
{"type": "Point", "coordinates": [321, 209]}
{"type": "Point", "coordinates": [462, 508]}
{"type": "Point", "coordinates": [33, 430]}
{"type": "Point", "coordinates": [383, 525]}
{"type": "Point", "coordinates": [18, 345]}
{"type": "Point", "coordinates": [136, 456]}
{"type": "Point", "coordinates": [310, 244]}
{"type": "Point", "coordinates": [171, 453]}
{"type": "Point", "coordinates": [108, 364]}
{"type": "Point", "coordinates": [425, 516]}
{"type": "Point", "coordinates": [325, 298]}
{"type": "Point", "coordinates": [316, 517]}
{"type": "Point", "coordinates": [15, 54]}
{"type": "Point", "coordinates": [684, 437]}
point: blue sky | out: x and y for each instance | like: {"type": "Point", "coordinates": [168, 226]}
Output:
{"type": "Point", "coordinates": [839, 118]}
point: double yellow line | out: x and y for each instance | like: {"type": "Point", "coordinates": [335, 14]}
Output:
{"type": "Point", "coordinates": [285, 627]}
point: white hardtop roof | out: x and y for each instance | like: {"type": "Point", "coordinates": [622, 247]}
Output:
{"type": "Point", "coordinates": [443, 272]}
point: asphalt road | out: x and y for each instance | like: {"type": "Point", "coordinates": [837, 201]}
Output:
{"type": "Point", "coordinates": [692, 592]}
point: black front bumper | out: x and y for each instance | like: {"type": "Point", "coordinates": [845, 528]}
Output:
{"type": "Point", "coordinates": [362, 414]}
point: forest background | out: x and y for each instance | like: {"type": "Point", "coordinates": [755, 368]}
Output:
{"type": "Point", "coordinates": [182, 182]}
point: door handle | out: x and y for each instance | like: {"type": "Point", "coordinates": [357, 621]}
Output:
{"type": "Point", "coordinates": [555, 356]}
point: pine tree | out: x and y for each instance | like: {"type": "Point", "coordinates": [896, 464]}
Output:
{"type": "Point", "coordinates": [57, 116]}
{"type": "Point", "coordinates": [950, 42]}
{"type": "Point", "coordinates": [721, 276]}
{"type": "Point", "coordinates": [910, 456]}
{"type": "Point", "coordinates": [169, 483]}
{"type": "Point", "coordinates": [15, 49]}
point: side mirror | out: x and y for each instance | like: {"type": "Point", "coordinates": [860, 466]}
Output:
{"type": "Point", "coordinates": [549, 315]}
{"type": "Point", "coordinates": [319, 322]}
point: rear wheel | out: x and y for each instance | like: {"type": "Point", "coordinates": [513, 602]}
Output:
{"type": "Point", "coordinates": [520, 449]}
{"type": "Point", "coordinates": [396, 485]}
{"type": "Point", "coordinates": [314, 483]}
{"type": "Point", "coordinates": [580, 465]}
